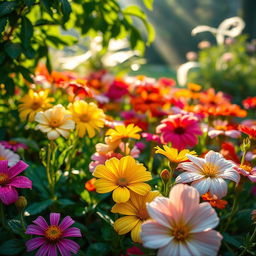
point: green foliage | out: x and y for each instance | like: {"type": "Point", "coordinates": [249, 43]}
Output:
{"type": "Point", "coordinates": [29, 27]}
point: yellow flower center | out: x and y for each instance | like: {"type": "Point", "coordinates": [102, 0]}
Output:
{"type": "Point", "coordinates": [180, 233]}
{"type": "Point", "coordinates": [2, 158]}
{"type": "Point", "coordinates": [221, 128]}
{"type": "Point", "coordinates": [35, 105]}
{"type": "Point", "coordinates": [142, 214]}
{"type": "Point", "coordinates": [210, 170]}
{"type": "Point", "coordinates": [122, 182]}
{"type": "Point", "coordinates": [53, 233]}
{"type": "Point", "coordinates": [3, 178]}
{"type": "Point", "coordinates": [85, 118]}
{"type": "Point", "coordinates": [246, 168]}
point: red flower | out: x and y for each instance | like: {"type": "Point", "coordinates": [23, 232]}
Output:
{"type": "Point", "coordinates": [229, 152]}
{"type": "Point", "coordinates": [251, 132]}
{"type": "Point", "coordinates": [249, 103]}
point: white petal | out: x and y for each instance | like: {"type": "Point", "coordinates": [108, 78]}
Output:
{"type": "Point", "coordinates": [231, 174]}
{"type": "Point", "coordinates": [187, 177]}
{"type": "Point", "coordinates": [190, 167]}
{"type": "Point", "coordinates": [171, 249]}
{"type": "Point", "coordinates": [213, 157]}
{"type": "Point", "coordinates": [154, 235]}
{"type": "Point", "coordinates": [202, 185]}
{"type": "Point", "coordinates": [218, 187]}
{"type": "Point", "coordinates": [43, 128]}
{"type": "Point", "coordinates": [69, 125]}
{"type": "Point", "coordinates": [200, 162]}
{"type": "Point", "coordinates": [40, 118]}
{"type": "Point", "coordinates": [52, 135]}
{"type": "Point", "coordinates": [63, 132]}
{"type": "Point", "coordinates": [204, 219]}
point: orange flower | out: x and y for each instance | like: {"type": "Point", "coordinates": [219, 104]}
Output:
{"type": "Point", "coordinates": [214, 201]}
{"type": "Point", "coordinates": [89, 185]}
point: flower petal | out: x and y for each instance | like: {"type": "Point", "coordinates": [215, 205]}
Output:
{"type": "Point", "coordinates": [40, 221]}
{"type": "Point", "coordinates": [104, 186]}
{"type": "Point", "coordinates": [140, 188]}
{"type": "Point", "coordinates": [121, 195]}
{"type": "Point", "coordinates": [125, 224]}
{"type": "Point", "coordinates": [72, 232]}
{"type": "Point", "coordinates": [8, 195]}
{"type": "Point", "coordinates": [135, 233]}
{"type": "Point", "coordinates": [20, 182]}
{"type": "Point", "coordinates": [35, 230]}
{"type": "Point", "coordinates": [218, 187]}
{"type": "Point", "coordinates": [54, 218]}
{"type": "Point", "coordinates": [34, 243]}
{"type": "Point", "coordinates": [66, 223]}
{"type": "Point", "coordinates": [69, 245]}
{"type": "Point", "coordinates": [4, 166]}
{"type": "Point", "coordinates": [187, 177]}
{"type": "Point", "coordinates": [17, 169]}
{"type": "Point", "coordinates": [202, 185]}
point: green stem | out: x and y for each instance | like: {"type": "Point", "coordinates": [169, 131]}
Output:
{"type": "Point", "coordinates": [247, 247]}
{"type": "Point", "coordinates": [2, 216]}
{"type": "Point", "coordinates": [22, 220]}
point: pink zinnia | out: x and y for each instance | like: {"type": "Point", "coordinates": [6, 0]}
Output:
{"type": "Point", "coordinates": [180, 225]}
{"type": "Point", "coordinates": [180, 130]}
{"type": "Point", "coordinates": [53, 236]}
{"type": "Point", "coordinates": [9, 181]}
{"type": "Point", "coordinates": [13, 145]}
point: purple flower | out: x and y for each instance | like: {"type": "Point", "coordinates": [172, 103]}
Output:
{"type": "Point", "coordinates": [13, 145]}
{"type": "Point", "coordinates": [53, 236]}
{"type": "Point", "coordinates": [9, 181]}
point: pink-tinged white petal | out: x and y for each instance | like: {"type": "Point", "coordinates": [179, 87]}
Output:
{"type": "Point", "coordinates": [214, 133]}
{"type": "Point", "coordinates": [213, 157]}
{"type": "Point", "coordinates": [233, 134]}
{"type": "Point", "coordinates": [20, 182]}
{"type": "Point", "coordinates": [8, 195]}
{"type": "Point", "coordinates": [72, 232]}
{"type": "Point", "coordinates": [161, 210]}
{"type": "Point", "coordinates": [206, 243]}
{"type": "Point", "coordinates": [35, 230]}
{"type": "Point", "coordinates": [70, 245]}
{"type": "Point", "coordinates": [171, 249]}
{"type": "Point", "coordinates": [204, 219]}
{"type": "Point", "coordinates": [190, 167]}
{"type": "Point", "coordinates": [66, 223]}
{"type": "Point", "coordinates": [224, 165]}
{"type": "Point", "coordinates": [218, 187]}
{"type": "Point", "coordinates": [4, 166]}
{"type": "Point", "coordinates": [154, 235]}
{"type": "Point", "coordinates": [41, 222]}
{"type": "Point", "coordinates": [202, 185]}
{"type": "Point", "coordinates": [200, 162]}
{"type": "Point", "coordinates": [252, 178]}
{"type": "Point", "coordinates": [54, 218]}
{"type": "Point", "coordinates": [34, 243]}
{"type": "Point", "coordinates": [231, 174]}
{"type": "Point", "coordinates": [41, 118]}
{"type": "Point", "coordinates": [52, 135]}
{"type": "Point", "coordinates": [17, 169]}
{"type": "Point", "coordinates": [187, 177]}
{"type": "Point", "coordinates": [185, 200]}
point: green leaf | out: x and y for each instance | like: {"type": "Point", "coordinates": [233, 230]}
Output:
{"type": "Point", "coordinates": [66, 9]}
{"type": "Point", "coordinates": [7, 7]}
{"type": "Point", "coordinates": [47, 5]}
{"type": "Point", "coordinates": [36, 208]}
{"type": "Point", "coordinates": [231, 240]}
{"type": "Point", "coordinates": [29, 52]}
{"type": "Point", "coordinates": [149, 4]}
{"type": "Point", "coordinates": [13, 49]}
{"type": "Point", "coordinates": [65, 202]}
{"type": "Point", "coordinates": [12, 247]}
{"type": "Point", "coordinates": [26, 74]}
{"type": "Point", "coordinates": [30, 143]}
{"type": "Point", "coordinates": [26, 31]}
{"type": "Point", "coordinates": [97, 249]}
{"type": "Point", "coordinates": [2, 57]}
{"type": "Point", "coordinates": [16, 227]}
{"type": "Point", "coordinates": [9, 86]}
{"type": "Point", "coordinates": [85, 195]}
{"type": "Point", "coordinates": [3, 22]}
{"type": "Point", "coordinates": [29, 3]}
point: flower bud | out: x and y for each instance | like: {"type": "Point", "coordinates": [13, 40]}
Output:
{"type": "Point", "coordinates": [21, 203]}
{"type": "Point", "coordinates": [165, 175]}
{"type": "Point", "coordinates": [246, 145]}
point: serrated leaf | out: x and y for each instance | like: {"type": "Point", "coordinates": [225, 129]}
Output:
{"type": "Point", "coordinates": [36, 208]}
{"type": "Point", "coordinates": [66, 9]}
{"type": "Point", "coordinates": [26, 31]}
{"type": "Point", "coordinates": [7, 7]}
{"type": "Point", "coordinates": [13, 49]}
{"type": "Point", "coordinates": [12, 247]}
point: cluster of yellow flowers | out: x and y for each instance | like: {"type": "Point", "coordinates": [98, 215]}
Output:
{"type": "Point", "coordinates": [126, 179]}
{"type": "Point", "coordinates": [57, 120]}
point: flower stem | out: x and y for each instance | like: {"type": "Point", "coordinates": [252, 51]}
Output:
{"type": "Point", "coordinates": [2, 216]}
{"type": "Point", "coordinates": [22, 220]}
{"type": "Point", "coordinates": [247, 247]}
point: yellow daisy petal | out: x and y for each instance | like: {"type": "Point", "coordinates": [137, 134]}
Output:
{"type": "Point", "coordinates": [135, 234]}
{"type": "Point", "coordinates": [140, 188]}
{"type": "Point", "coordinates": [104, 186]}
{"type": "Point", "coordinates": [125, 224]}
{"type": "Point", "coordinates": [121, 195]}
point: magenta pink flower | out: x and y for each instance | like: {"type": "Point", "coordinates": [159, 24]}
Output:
{"type": "Point", "coordinates": [180, 130]}
{"type": "Point", "coordinates": [180, 225]}
{"type": "Point", "coordinates": [247, 171]}
{"type": "Point", "coordinates": [13, 145]}
{"type": "Point", "coordinates": [53, 236]}
{"type": "Point", "coordinates": [9, 181]}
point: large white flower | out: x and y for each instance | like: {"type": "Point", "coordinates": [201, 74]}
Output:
{"type": "Point", "coordinates": [180, 225]}
{"type": "Point", "coordinates": [6, 154]}
{"type": "Point", "coordinates": [208, 174]}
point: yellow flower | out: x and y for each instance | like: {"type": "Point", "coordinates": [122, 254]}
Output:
{"type": "Point", "coordinates": [173, 155]}
{"type": "Point", "coordinates": [136, 212]}
{"type": "Point", "coordinates": [32, 103]}
{"type": "Point", "coordinates": [55, 122]}
{"type": "Point", "coordinates": [123, 132]}
{"type": "Point", "coordinates": [121, 177]}
{"type": "Point", "coordinates": [88, 117]}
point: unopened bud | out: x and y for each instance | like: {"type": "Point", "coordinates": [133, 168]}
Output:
{"type": "Point", "coordinates": [254, 216]}
{"type": "Point", "coordinates": [165, 175]}
{"type": "Point", "coordinates": [21, 203]}
{"type": "Point", "coordinates": [246, 145]}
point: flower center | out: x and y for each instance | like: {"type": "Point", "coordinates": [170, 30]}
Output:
{"type": "Point", "coordinates": [221, 128]}
{"type": "Point", "coordinates": [53, 233]}
{"type": "Point", "coordinates": [210, 170]}
{"type": "Point", "coordinates": [246, 168]}
{"type": "Point", "coordinates": [143, 214]}
{"type": "Point", "coordinates": [54, 123]}
{"type": "Point", "coordinates": [85, 118]}
{"type": "Point", "coordinates": [2, 158]}
{"type": "Point", "coordinates": [179, 130]}
{"type": "Point", "coordinates": [3, 178]}
{"type": "Point", "coordinates": [122, 182]}
{"type": "Point", "coordinates": [180, 233]}
{"type": "Point", "coordinates": [35, 105]}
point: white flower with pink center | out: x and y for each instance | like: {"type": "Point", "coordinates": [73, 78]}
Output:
{"type": "Point", "coordinates": [180, 225]}
{"type": "Point", "coordinates": [208, 174]}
